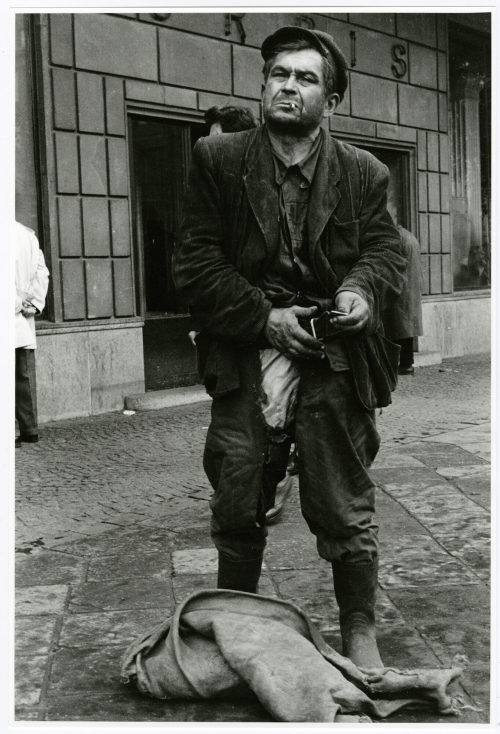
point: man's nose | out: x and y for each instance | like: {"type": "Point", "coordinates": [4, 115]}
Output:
{"type": "Point", "coordinates": [291, 83]}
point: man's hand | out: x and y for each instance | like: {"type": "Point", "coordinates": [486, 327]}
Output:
{"type": "Point", "coordinates": [356, 309]}
{"type": "Point", "coordinates": [27, 308]}
{"type": "Point", "coordinates": [284, 332]}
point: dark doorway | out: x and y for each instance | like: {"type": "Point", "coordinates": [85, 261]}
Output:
{"type": "Point", "coordinates": [398, 190]}
{"type": "Point", "coordinates": [161, 152]}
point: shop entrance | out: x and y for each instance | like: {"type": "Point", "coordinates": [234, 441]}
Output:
{"type": "Point", "coordinates": [161, 152]}
{"type": "Point", "coordinates": [470, 149]}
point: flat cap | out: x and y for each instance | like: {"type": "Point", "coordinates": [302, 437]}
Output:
{"type": "Point", "coordinates": [320, 40]}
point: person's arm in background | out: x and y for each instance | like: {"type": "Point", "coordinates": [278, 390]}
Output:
{"type": "Point", "coordinates": [34, 301]}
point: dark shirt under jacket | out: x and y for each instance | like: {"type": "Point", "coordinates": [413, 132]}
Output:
{"type": "Point", "coordinates": [290, 280]}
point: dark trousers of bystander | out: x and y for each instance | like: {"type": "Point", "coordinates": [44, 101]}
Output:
{"type": "Point", "coordinates": [26, 412]}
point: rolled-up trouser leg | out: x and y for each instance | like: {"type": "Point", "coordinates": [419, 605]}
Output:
{"type": "Point", "coordinates": [234, 459]}
{"type": "Point", "coordinates": [337, 441]}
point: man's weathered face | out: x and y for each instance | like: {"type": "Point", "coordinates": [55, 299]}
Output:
{"type": "Point", "coordinates": [293, 97]}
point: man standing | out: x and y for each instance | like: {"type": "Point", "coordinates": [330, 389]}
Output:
{"type": "Point", "coordinates": [229, 119]}
{"type": "Point", "coordinates": [32, 280]}
{"type": "Point", "coordinates": [283, 224]}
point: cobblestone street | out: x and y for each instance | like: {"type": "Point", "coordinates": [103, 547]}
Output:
{"type": "Point", "coordinates": [112, 531]}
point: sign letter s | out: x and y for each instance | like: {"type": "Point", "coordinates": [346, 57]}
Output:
{"type": "Point", "coordinates": [399, 68]}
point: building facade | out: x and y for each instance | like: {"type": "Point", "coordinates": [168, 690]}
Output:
{"type": "Point", "coordinates": [108, 108]}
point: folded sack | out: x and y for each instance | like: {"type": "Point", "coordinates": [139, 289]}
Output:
{"type": "Point", "coordinates": [222, 643]}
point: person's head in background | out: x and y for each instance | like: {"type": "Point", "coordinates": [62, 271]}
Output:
{"type": "Point", "coordinates": [229, 119]}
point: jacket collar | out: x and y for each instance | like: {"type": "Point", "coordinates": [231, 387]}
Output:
{"type": "Point", "coordinates": [259, 182]}
{"type": "Point", "coordinates": [325, 194]}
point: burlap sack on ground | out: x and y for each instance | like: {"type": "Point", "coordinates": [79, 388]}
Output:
{"type": "Point", "coordinates": [222, 643]}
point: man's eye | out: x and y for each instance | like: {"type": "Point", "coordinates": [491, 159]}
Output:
{"type": "Point", "coordinates": [279, 73]}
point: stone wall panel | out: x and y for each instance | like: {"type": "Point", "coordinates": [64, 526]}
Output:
{"type": "Point", "coordinates": [99, 289]}
{"type": "Point", "coordinates": [115, 114]}
{"type": "Point", "coordinates": [432, 152]}
{"type": "Point", "coordinates": [61, 39]}
{"type": "Point", "coordinates": [213, 57]}
{"type": "Point", "coordinates": [247, 72]}
{"type": "Point", "coordinates": [90, 103]}
{"type": "Point", "coordinates": [374, 101]}
{"type": "Point", "coordinates": [418, 107]}
{"type": "Point", "coordinates": [93, 164]}
{"type": "Point", "coordinates": [419, 27]}
{"type": "Point", "coordinates": [435, 274]}
{"type": "Point", "coordinates": [70, 226]}
{"type": "Point", "coordinates": [73, 289]}
{"type": "Point", "coordinates": [384, 22]}
{"type": "Point", "coordinates": [120, 227]}
{"type": "Point", "coordinates": [67, 169]}
{"type": "Point", "coordinates": [95, 227]}
{"type": "Point", "coordinates": [434, 234]}
{"type": "Point", "coordinates": [64, 100]}
{"type": "Point", "coordinates": [117, 167]}
{"type": "Point", "coordinates": [123, 289]}
{"type": "Point", "coordinates": [423, 66]}
{"type": "Point", "coordinates": [113, 45]}
{"type": "Point", "coordinates": [423, 232]}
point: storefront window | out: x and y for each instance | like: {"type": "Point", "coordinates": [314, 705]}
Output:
{"type": "Point", "coordinates": [470, 105]}
{"type": "Point", "coordinates": [162, 151]}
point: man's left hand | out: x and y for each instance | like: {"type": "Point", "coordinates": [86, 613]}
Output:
{"type": "Point", "coordinates": [357, 312]}
{"type": "Point", "coordinates": [28, 309]}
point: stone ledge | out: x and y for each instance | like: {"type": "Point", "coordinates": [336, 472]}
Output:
{"type": "Point", "coordinates": [166, 398]}
{"type": "Point", "coordinates": [427, 358]}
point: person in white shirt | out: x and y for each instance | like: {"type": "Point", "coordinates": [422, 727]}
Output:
{"type": "Point", "coordinates": [32, 280]}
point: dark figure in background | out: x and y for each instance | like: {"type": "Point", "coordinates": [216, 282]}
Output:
{"type": "Point", "coordinates": [403, 320]}
{"type": "Point", "coordinates": [229, 119]}
{"type": "Point", "coordinates": [282, 224]}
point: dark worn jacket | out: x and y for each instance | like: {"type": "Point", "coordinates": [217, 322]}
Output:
{"type": "Point", "coordinates": [230, 233]}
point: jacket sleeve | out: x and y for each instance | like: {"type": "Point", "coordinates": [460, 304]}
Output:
{"type": "Point", "coordinates": [223, 302]}
{"type": "Point", "coordinates": [378, 273]}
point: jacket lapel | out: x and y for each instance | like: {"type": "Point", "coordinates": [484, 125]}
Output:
{"type": "Point", "coordinates": [260, 187]}
{"type": "Point", "coordinates": [325, 193]}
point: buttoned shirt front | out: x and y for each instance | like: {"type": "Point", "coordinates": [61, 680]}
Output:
{"type": "Point", "coordinates": [291, 280]}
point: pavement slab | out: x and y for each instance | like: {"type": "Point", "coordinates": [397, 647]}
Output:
{"type": "Point", "coordinates": [30, 673]}
{"type": "Point", "coordinates": [35, 634]}
{"type": "Point", "coordinates": [50, 599]}
{"type": "Point", "coordinates": [86, 670]}
{"type": "Point", "coordinates": [156, 565]}
{"type": "Point", "coordinates": [48, 567]}
{"type": "Point", "coordinates": [455, 624]}
{"type": "Point", "coordinates": [108, 628]}
{"type": "Point", "coordinates": [125, 593]}
{"type": "Point", "coordinates": [130, 706]}
{"type": "Point", "coordinates": [113, 530]}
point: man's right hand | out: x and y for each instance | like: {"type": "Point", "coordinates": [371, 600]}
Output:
{"type": "Point", "coordinates": [285, 334]}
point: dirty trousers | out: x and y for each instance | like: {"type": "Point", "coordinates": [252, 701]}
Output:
{"type": "Point", "coordinates": [337, 441]}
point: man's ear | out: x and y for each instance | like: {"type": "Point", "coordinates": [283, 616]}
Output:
{"type": "Point", "coordinates": [331, 104]}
